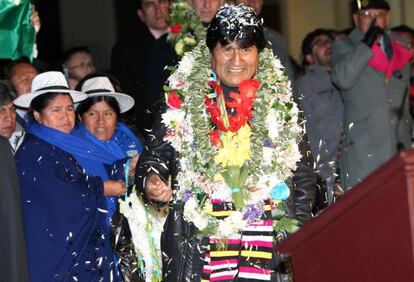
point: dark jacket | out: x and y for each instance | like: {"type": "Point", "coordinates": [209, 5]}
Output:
{"type": "Point", "coordinates": [161, 56]}
{"type": "Point", "coordinates": [13, 267]}
{"type": "Point", "coordinates": [129, 64]}
{"type": "Point", "coordinates": [182, 250]}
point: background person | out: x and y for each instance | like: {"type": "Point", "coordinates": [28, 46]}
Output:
{"type": "Point", "coordinates": [12, 243]}
{"type": "Point", "coordinates": [129, 58]}
{"type": "Point", "coordinates": [99, 115]}
{"type": "Point", "coordinates": [9, 128]}
{"type": "Point", "coordinates": [321, 104]}
{"type": "Point", "coordinates": [77, 63]}
{"type": "Point", "coordinates": [371, 71]}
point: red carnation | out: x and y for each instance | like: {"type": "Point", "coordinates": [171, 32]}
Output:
{"type": "Point", "coordinates": [249, 88]}
{"type": "Point", "coordinates": [174, 100]}
{"type": "Point", "coordinates": [215, 138]}
{"type": "Point", "coordinates": [175, 29]}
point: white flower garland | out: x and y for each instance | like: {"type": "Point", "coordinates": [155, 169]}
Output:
{"type": "Point", "coordinates": [146, 242]}
{"type": "Point", "coordinates": [274, 148]}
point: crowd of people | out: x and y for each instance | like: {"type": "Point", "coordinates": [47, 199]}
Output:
{"type": "Point", "coordinates": [200, 149]}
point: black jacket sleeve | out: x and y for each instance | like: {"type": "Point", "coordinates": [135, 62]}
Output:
{"type": "Point", "coordinates": [304, 185]}
{"type": "Point", "coordinates": [158, 157]}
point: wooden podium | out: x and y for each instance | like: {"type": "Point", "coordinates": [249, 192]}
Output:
{"type": "Point", "coordinates": [368, 235]}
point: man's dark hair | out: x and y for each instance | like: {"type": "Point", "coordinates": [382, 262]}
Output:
{"type": "Point", "coordinates": [138, 3]}
{"type": "Point", "coordinates": [6, 92]}
{"type": "Point", "coordinates": [358, 5]}
{"type": "Point", "coordinates": [236, 23]}
{"type": "Point", "coordinates": [310, 37]}
{"type": "Point", "coordinates": [9, 67]}
{"type": "Point", "coordinates": [403, 28]}
{"type": "Point", "coordinates": [70, 52]}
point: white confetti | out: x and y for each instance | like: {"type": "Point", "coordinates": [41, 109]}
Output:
{"type": "Point", "coordinates": [102, 210]}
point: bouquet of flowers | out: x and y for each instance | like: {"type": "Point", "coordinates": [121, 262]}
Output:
{"type": "Point", "coordinates": [185, 28]}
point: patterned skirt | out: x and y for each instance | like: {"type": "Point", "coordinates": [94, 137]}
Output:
{"type": "Point", "coordinates": [247, 258]}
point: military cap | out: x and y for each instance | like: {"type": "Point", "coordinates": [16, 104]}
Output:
{"type": "Point", "coordinates": [358, 5]}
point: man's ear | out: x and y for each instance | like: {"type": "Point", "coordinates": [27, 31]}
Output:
{"type": "Point", "coordinates": [355, 19]}
{"type": "Point", "coordinates": [309, 58]}
{"type": "Point", "coordinates": [141, 15]}
{"type": "Point", "coordinates": [388, 20]}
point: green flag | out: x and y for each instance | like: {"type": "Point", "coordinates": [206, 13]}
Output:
{"type": "Point", "coordinates": [17, 35]}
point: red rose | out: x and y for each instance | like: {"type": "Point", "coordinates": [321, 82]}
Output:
{"type": "Point", "coordinates": [249, 88]}
{"type": "Point", "coordinates": [215, 138]}
{"type": "Point", "coordinates": [174, 100]}
{"type": "Point", "coordinates": [175, 29]}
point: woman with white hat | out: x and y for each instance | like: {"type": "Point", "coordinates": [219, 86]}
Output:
{"type": "Point", "coordinates": [99, 115]}
{"type": "Point", "coordinates": [64, 208]}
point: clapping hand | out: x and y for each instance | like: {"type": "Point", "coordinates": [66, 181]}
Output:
{"type": "Point", "coordinates": [114, 188]}
{"type": "Point", "coordinates": [158, 190]}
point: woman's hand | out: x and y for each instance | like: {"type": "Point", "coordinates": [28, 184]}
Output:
{"type": "Point", "coordinates": [157, 190]}
{"type": "Point", "coordinates": [114, 188]}
{"type": "Point", "coordinates": [133, 164]}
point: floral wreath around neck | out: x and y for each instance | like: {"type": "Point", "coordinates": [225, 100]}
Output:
{"type": "Point", "coordinates": [185, 29]}
{"type": "Point", "coordinates": [247, 164]}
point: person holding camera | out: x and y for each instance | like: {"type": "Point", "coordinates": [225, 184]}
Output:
{"type": "Point", "coordinates": [371, 70]}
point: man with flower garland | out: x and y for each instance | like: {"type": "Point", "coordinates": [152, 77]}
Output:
{"type": "Point", "coordinates": [221, 155]}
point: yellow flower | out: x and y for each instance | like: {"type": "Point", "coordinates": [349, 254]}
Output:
{"type": "Point", "coordinates": [190, 41]}
{"type": "Point", "coordinates": [179, 47]}
{"type": "Point", "coordinates": [218, 177]}
{"type": "Point", "coordinates": [236, 148]}
{"type": "Point", "coordinates": [208, 207]}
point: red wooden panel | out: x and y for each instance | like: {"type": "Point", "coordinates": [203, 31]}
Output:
{"type": "Point", "coordinates": [366, 236]}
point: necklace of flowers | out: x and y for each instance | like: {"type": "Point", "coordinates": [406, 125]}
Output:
{"type": "Point", "coordinates": [185, 29]}
{"type": "Point", "coordinates": [145, 223]}
{"type": "Point", "coordinates": [251, 164]}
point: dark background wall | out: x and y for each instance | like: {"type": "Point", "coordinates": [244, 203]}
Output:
{"type": "Point", "coordinates": [97, 24]}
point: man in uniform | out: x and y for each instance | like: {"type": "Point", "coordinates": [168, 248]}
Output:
{"type": "Point", "coordinates": [371, 70]}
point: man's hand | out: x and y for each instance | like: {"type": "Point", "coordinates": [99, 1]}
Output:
{"type": "Point", "coordinates": [372, 34]}
{"type": "Point", "coordinates": [157, 190]}
{"type": "Point", "coordinates": [114, 188]}
{"type": "Point", "coordinates": [35, 20]}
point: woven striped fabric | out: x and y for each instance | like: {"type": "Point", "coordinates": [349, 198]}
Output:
{"type": "Point", "coordinates": [248, 258]}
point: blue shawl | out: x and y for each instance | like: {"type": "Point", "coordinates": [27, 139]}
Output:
{"type": "Point", "coordinates": [91, 153]}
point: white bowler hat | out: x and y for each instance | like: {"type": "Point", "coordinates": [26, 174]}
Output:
{"type": "Point", "coordinates": [51, 81]}
{"type": "Point", "coordinates": [102, 86]}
